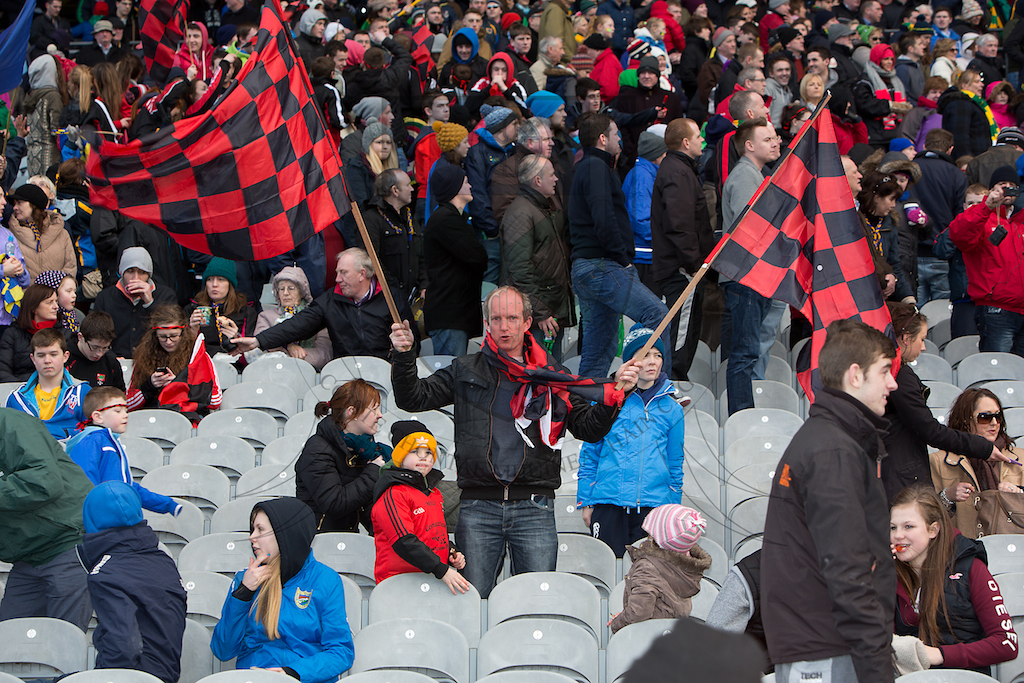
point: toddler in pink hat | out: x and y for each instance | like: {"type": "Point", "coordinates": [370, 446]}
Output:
{"type": "Point", "coordinates": [667, 567]}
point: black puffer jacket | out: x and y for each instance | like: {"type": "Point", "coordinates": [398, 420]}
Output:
{"type": "Point", "coordinates": [828, 582]}
{"type": "Point", "coordinates": [471, 384]}
{"type": "Point", "coordinates": [16, 354]}
{"type": "Point", "coordinates": [333, 483]}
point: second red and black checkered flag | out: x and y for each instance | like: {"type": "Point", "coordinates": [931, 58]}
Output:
{"type": "Point", "coordinates": [161, 28]}
{"type": "Point", "coordinates": [248, 180]}
{"type": "Point", "coordinates": [800, 241]}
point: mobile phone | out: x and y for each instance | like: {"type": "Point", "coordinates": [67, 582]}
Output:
{"type": "Point", "coordinates": [1011, 191]}
{"type": "Point", "coordinates": [164, 369]}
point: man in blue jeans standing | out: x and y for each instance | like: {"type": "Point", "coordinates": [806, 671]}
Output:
{"type": "Point", "coordinates": [512, 407]}
{"type": "Point", "coordinates": [603, 277]}
{"type": "Point", "coordinates": [759, 145]}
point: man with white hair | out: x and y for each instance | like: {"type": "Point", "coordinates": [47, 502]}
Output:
{"type": "Point", "coordinates": [549, 57]}
{"type": "Point", "coordinates": [534, 138]}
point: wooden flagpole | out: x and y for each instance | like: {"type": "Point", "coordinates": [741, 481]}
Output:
{"type": "Point", "coordinates": [702, 271]}
{"type": "Point", "coordinates": [378, 270]}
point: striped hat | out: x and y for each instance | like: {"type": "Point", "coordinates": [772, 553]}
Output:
{"type": "Point", "coordinates": [675, 527]}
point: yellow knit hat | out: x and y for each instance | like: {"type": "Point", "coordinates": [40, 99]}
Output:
{"type": "Point", "coordinates": [449, 135]}
{"type": "Point", "coordinates": [407, 436]}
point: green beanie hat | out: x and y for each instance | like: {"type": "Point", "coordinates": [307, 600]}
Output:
{"type": "Point", "coordinates": [223, 268]}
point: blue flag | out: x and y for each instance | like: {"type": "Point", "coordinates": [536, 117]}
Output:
{"type": "Point", "coordinates": [14, 49]}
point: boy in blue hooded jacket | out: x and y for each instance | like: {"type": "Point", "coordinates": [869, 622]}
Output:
{"type": "Point", "coordinates": [135, 588]}
{"type": "Point", "coordinates": [51, 393]}
{"type": "Point", "coordinates": [98, 451]}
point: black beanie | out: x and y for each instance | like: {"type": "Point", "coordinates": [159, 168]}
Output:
{"type": "Point", "coordinates": [446, 182]}
{"type": "Point", "coordinates": [1004, 174]}
{"type": "Point", "coordinates": [595, 41]}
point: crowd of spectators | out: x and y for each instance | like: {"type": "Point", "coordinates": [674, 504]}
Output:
{"type": "Point", "coordinates": [583, 157]}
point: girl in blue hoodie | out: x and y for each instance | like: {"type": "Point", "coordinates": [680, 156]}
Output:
{"type": "Point", "coordinates": [286, 611]}
{"type": "Point", "coordinates": [639, 464]}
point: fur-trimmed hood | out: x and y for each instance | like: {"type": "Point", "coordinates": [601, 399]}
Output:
{"type": "Point", "coordinates": [897, 162]}
{"type": "Point", "coordinates": [698, 561]}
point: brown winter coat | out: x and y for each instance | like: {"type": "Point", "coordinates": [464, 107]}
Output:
{"type": "Point", "coordinates": [950, 468]}
{"type": "Point", "coordinates": [53, 251]}
{"type": "Point", "coordinates": [660, 583]}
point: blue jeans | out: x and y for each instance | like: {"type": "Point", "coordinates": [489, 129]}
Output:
{"type": "Point", "coordinates": [607, 291]}
{"type": "Point", "coordinates": [450, 342]}
{"type": "Point", "coordinates": [1000, 330]}
{"type": "Point", "coordinates": [932, 279]}
{"type": "Point", "coordinates": [485, 527]}
{"type": "Point", "coordinates": [769, 333]}
{"type": "Point", "coordinates": [492, 245]}
{"type": "Point", "coordinates": [747, 310]}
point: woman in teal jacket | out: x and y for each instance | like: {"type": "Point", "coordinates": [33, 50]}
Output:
{"type": "Point", "coordinates": [286, 612]}
{"type": "Point", "coordinates": [639, 465]}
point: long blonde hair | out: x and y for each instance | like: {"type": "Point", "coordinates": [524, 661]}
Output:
{"type": "Point", "coordinates": [267, 605]}
{"type": "Point", "coordinates": [378, 165]}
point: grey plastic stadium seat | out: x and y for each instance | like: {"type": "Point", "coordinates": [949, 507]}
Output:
{"type": "Point", "coordinates": [112, 676]}
{"type": "Point", "coordinates": [700, 604]}
{"type": "Point", "coordinates": [234, 516]}
{"type": "Point", "coordinates": [225, 553]}
{"type": "Point", "coordinates": [940, 333]}
{"type": "Point", "coordinates": [248, 676]}
{"type": "Point", "coordinates": [946, 676]}
{"type": "Point", "coordinates": [942, 394]}
{"type": "Point", "coordinates": [206, 593]}
{"type": "Point", "coordinates": [143, 455]}
{"type": "Point", "coordinates": [701, 476]}
{"type": "Point", "coordinates": [769, 394]}
{"type": "Point", "coordinates": [753, 450]}
{"type": "Point", "coordinates": [376, 371]}
{"type": "Point", "coordinates": [747, 547]}
{"type": "Point", "coordinates": [701, 372]}
{"type": "Point", "coordinates": [303, 425]}
{"type": "Point", "coordinates": [203, 485]}
{"type": "Point", "coordinates": [587, 557]}
{"type": "Point", "coordinates": [415, 595]}
{"type": "Point", "coordinates": [175, 532]}
{"type": "Point", "coordinates": [719, 561]}
{"type": "Point", "coordinates": [227, 374]}
{"type": "Point", "coordinates": [702, 425]}
{"type": "Point", "coordinates": [778, 370]}
{"type": "Point", "coordinates": [1014, 421]}
{"type": "Point", "coordinates": [699, 396]}
{"type": "Point", "coordinates": [747, 519]}
{"type": "Point", "coordinates": [569, 519]}
{"type": "Point", "coordinates": [6, 677]}
{"type": "Point", "coordinates": [229, 454]}
{"type": "Point", "coordinates": [937, 310]}
{"type": "Point", "coordinates": [984, 367]}
{"type": "Point", "coordinates": [931, 347]}
{"type": "Point", "coordinates": [314, 395]}
{"type": "Point", "coordinates": [166, 428]}
{"type": "Point", "coordinates": [631, 642]}
{"type": "Point", "coordinates": [347, 553]}
{"type": "Point", "coordinates": [40, 647]}
{"type": "Point", "coordinates": [525, 677]}
{"type": "Point", "coordinates": [256, 427]}
{"type": "Point", "coordinates": [539, 644]}
{"type": "Point", "coordinates": [127, 365]}
{"type": "Point", "coordinates": [423, 645]}
{"type": "Point", "coordinates": [959, 348]}
{"type": "Point", "coordinates": [549, 595]}
{"type": "Point", "coordinates": [572, 365]}
{"type": "Point", "coordinates": [196, 656]}
{"type": "Point", "coordinates": [6, 389]}
{"type": "Point", "coordinates": [617, 595]}
{"type": "Point", "coordinates": [389, 676]}
{"type": "Point", "coordinates": [432, 364]}
{"type": "Point", "coordinates": [712, 514]}
{"type": "Point", "coordinates": [931, 367]}
{"type": "Point", "coordinates": [749, 481]}
{"type": "Point", "coordinates": [353, 603]}
{"type": "Point", "coordinates": [1011, 586]}
{"type": "Point", "coordinates": [276, 400]}
{"type": "Point", "coordinates": [1005, 552]}
{"type": "Point", "coordinates": [759, 421]}
{"type": "Point", "coordinates": [298, 375]}
{"type": "Point", "coordinates": [1010, 392]}
{"type": "Point", "coordinates": [267, 480]}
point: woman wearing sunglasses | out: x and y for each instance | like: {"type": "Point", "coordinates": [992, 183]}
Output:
{"type": "Point", "coordinates": [959, 479]}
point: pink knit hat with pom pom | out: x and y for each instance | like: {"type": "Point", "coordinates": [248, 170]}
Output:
{"type": "Point", "coordinates": [675, 527]}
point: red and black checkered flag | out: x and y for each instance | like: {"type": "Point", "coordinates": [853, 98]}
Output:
{"type": "Point", "coordinates": [161, 28]}
{"type": "Point", "coordinates": [799, 240]}
{"type": "Point", "coordinates": [248, 180]}
{"type": "Point", "coordinates": [195, 391]}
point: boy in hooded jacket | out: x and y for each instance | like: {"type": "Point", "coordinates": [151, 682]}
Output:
{"type": "Point", "coordinates": [98, 451]}
{"type": "Point", "coordinates": [135, 588]}
{"type": "Point", "coordinates": [408, 512]}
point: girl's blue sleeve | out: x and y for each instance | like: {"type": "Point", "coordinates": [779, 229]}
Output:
{"type": "Point", "coordinates": [676, 452]}
{"type": "Point", "coordinates": [229, 633]}
{"type": "Point", "coordinates": [337, 651]}
{"type": "Point", "coordinates": [589, 454]}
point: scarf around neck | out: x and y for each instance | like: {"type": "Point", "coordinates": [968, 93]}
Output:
{"type": "Point", "coordinates": [544, 389]}
{"type": "Point", "coordinates": [993, 128]}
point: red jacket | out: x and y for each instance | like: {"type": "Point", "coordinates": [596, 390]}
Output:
{"type": "Point", "coordinates": [409, 530]}
{"type": "Point", "coordinates": [723, 106]}
{"type": "Point", "coordinates": [427, 152]}
{"type": "Point", "coordinates": [675, 41]}
{"type": "Point", "coordinates": [769, 22]}
{"type": "Point", "coordinates": [607, 68]}
{"type": "Point", "coordinates": [995, 274]}
{"type": "Point", "coordinates": [849, 134]}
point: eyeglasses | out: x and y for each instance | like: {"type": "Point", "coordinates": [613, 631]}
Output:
{"type": "Point", "coordinates": [287, 288]}
{"type": "Point", "coordinates": [174, 336]}
{"type": "Point", "coordinates": [97, 349]}
{"type": "Point", "coordinates": [986, 418]}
